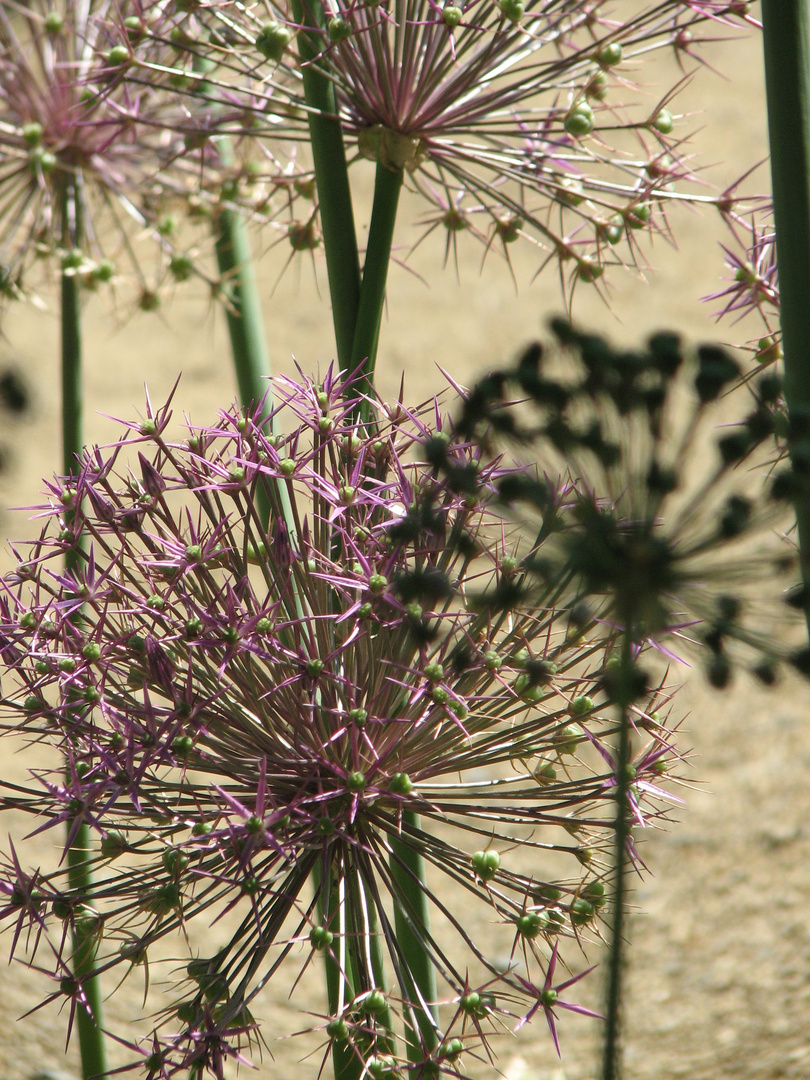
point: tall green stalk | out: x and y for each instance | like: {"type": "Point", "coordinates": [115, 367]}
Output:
{"type": "Point", "coordinates": [91, 1038]}
{"type": "Point", "coordinates": [786, 37]}
{"type": "Point", "coordinates": [245, 323]}
{"type": "Point", "coordinates": [387, 187]}
{"type": "Point", "coordinates": [332, 180]}
{"type": "Point", "coordinates": [408, 871]}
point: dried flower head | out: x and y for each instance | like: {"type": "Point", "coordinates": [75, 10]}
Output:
{"type": "Point", "coordinates": [247, 708]}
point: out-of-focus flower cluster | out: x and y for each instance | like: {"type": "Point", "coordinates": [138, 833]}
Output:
{"type": "Point", "coordinates": [91, 160]}
{"type": "Point", "coordinates": [245, 708]}
{"type": "Point", "coordinates": [662, 532]}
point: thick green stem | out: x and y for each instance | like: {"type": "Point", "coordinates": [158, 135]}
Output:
{"type": "Point", "coordinates": [387, 187]}
{"type": "Point", "coordinates": [786, 37]}
{"type": "Point", "coordinates": [332, 179]}
{"type": "Point", "coordinates": [408, 871]}
{"type": "Point", "coordinates": [611, 1058]}
{"type": "Point", "coordinates": [245, 324]}
{"type": "Point", "coordinates": [347, 1065]}
{"type": "Point", "coordinates": [91, 1038]}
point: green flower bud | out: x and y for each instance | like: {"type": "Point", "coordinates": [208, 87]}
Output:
{"type": "Point", "coordinates": [610, 55]}
{"type": "Point", "coordinates": [338, 29]}
{"type": "Point", "coordinates": [400, 784]}
{"type": "Point", "coordinates": [662, 122]}
{"type": "Point", "coordinates": [486, 864]}
{"type": "Point", "coordinates": [580, 120]}
{"type": "Point", "coordinates": [320, 937]}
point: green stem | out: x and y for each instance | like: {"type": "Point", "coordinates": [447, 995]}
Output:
{"type": "Point", "coordinates": [245, 323]}
{"type": "Point", "coordinates": [91, 1038]}
{"type": "Point", "coordinates": [387, 187]}
{"type": "Point", "coordinates": [347, 1065]}
{"type": "Point", "coordinates": [611, 1059]}
{"type": "Point", "coordinates": [332, 179]}
{"type": "Point", "coordinates": [408, 872]}
{"type": "Point", "coordinates": [786, 38]}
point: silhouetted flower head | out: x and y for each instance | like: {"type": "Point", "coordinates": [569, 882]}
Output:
{"type": "Point", "coordinates": [662, 528]}
{"type": "Point", "coordinates": [247, 706]}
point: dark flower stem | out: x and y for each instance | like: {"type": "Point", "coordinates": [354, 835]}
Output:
{"type": "Point", "coordinates": [786, 37]}
{"type": "Point", "coordinates": [611, 1050]}
{"type": "Point", "coordinates": [332, 179]}
{"type": "Point", "coordinates": [91, 1038]}
{"type": "Point", "coordinates": [387, 187]}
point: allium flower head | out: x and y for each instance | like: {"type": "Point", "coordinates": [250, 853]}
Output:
{"type": "Point", "coordinates": [81, 148]}
{"type": "Point", "coordinates": [246, 708]}
{"type": "Point", "coordinates": [511, 118]}
{"type": "Point", "coordinates": [665, 526]}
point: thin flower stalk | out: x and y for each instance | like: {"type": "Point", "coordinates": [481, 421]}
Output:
{"type": "Point", "coordinates": [246, 709]}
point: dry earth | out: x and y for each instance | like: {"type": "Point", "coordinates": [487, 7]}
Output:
{"type": "Point", "coordinates": [720, 975]}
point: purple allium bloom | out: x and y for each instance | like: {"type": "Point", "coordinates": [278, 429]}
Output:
{"type": "Point", "coordinates": [246, 708]}
{"type": "Point", "coordinates": [511, 119]}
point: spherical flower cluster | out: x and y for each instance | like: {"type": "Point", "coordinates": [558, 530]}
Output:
{"type": "Point", "coordinates": [93, 155]}
{"type": "Point", "coordinates": [514, 120]}
{"type": "Point", "coordinates": [246, 707]}
{"type": "Point", "coordinates": [662, 530]}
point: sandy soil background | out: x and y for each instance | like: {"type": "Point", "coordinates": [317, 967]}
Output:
{"type": "Point", "coordinates": [720, 976]}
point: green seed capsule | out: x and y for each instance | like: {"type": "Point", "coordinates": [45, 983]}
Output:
{"type": "Point", "coordinates": [272, 41]}
{"type": "Point", "coordinates": [452, 15]}
{"type": "Point", "coordinates": [338, 1030]}
{"type": "Point", "coordinates": [610, 55]}
{"type": "Point", "coordinates": [320, 937]}
{"type": "Point", "coordinates": [374, 1002]}
{"type": "Point", "coordinates": [117, 55]}
{"type": "Point", "coordinates": [355, 782]}
{"type": "Point", "coordinates": [512, 10]}
{"type": "Point", "coordinates": [580, 120]}
{"type": "Point", "coordinates": [338, 29]}
{"type": "Point", "coordinates": [663, 122]}
{"type": "Point", "coordinates": [486, 864]}
{"type": "Point", "coordinates": [400, 784]}
{"type": "Point", "coordinates": [582, 911]}
{"type": "Point", "coordinates": [530, 924]}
